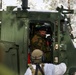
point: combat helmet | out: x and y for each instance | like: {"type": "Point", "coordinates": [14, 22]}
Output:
{"type": "Point", "coordinates": [43, 26]}
{"type": "Point", "coordinates": [37, 56]}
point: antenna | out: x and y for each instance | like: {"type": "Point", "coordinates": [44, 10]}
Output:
{"type": "Point", "coordinates": [69, 4]}
{"type": "Point", "coordinates": [25, 4]}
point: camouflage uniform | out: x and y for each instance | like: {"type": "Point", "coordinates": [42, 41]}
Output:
{"type": "Point", "coordinates": [39, 42]}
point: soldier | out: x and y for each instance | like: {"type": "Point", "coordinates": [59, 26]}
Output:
{"type": "Point", "coordinates": [39, 68]}
{"type": "Point", "coordinates": [39, 42]}
{"type": "Point", "coordinates": [3, 69]}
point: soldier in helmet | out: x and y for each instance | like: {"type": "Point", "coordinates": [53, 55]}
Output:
{"type": "Point", "coordinates": [38, 68]}
{"type": "Point", "coordinates": [39, 42]}
{"type": "Point", "coordinates": [37, 56]}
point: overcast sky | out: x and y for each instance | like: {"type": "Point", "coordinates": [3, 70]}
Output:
{"type": "Point", "coordinates": [35, 4]}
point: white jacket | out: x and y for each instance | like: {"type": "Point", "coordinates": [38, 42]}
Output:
{"type": "Point", "coordinates": [50, 69]}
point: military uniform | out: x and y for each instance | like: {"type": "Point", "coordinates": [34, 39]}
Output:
{"type": "Point", "coordinates": [50, 69]}
{"type": "Point", "coordinates": [39, 42]}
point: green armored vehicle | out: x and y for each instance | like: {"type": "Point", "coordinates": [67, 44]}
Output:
{"type": "Point", "coordinates": [18, 27]}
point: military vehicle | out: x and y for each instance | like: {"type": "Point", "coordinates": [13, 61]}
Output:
{"type": "Point", "coordinates": [18, 27]}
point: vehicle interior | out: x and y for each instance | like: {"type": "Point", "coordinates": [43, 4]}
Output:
{"type": "Point", "coordinates": [34, 27]}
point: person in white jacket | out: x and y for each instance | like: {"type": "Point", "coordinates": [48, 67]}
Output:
{"type": "Point", "coordinates": [48, 68]}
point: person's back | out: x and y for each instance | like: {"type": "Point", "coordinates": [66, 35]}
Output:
{"type": "Point", "coordinates": [47, 68]}
{"type": "Point", "coordinates": [32, 68]}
